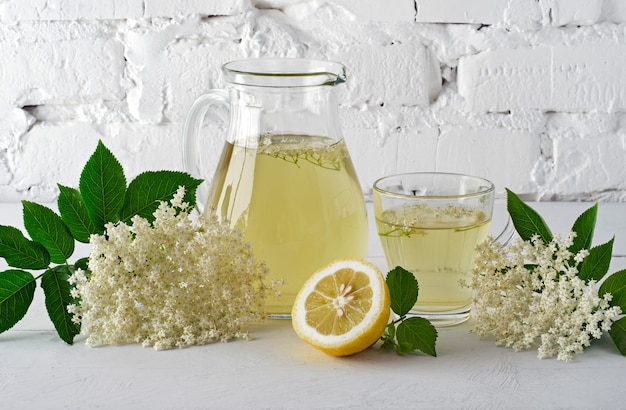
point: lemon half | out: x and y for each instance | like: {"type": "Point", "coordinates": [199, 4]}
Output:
{"type": "Point", "coordinates": [343, 308]}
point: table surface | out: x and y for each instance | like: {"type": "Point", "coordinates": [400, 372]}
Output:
{"type": "Point", "coordinates": [278, 370]}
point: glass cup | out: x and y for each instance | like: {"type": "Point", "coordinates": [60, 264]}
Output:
{"type": "Point", "coordinates": [429, 223]}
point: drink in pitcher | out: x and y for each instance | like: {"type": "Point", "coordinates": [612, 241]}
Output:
{"type": "Point", "coordinates": [437, 246]}
{"type": "Point", "coordinates": [430, 224]}
{"type": "Point", "coordinates": [297, 200]}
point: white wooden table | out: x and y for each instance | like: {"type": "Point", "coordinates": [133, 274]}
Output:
{"type": "Point", "coordinates": [278, 371]}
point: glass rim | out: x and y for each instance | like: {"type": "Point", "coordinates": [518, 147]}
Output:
{"type": "Point", "coordinates": [489, 186]}
{"type": "Point", "coordinates": [284, 72]}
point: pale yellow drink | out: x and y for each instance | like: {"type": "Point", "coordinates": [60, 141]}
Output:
{"type": "Point", "coordinates": [438, 246]}
{"type": "Point", "coordinates": [299, 203]}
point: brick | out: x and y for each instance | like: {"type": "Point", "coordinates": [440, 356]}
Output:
{"type": "Point", "coordinates": [461, 11]}
{"type": "Point", "coordinates": [559, 78]}
{"type": "Point", "coordinates": [525, 15]}
{"type": "Point", "coordinates": [505, 79]}
{"type": "Point", "coordinates": [589, 165]}
{"type": "Point", "coordinates": [614, 11]}
{"type": "Point", "coordinates": [371, 160]}
{"type": "Point", "coordinates": [357, 10]}
{"type": "Point", "coordinates": [376, 10]}
{"type": "Point", "coordinates": [372, 152]}
{"type": "Point", "coordinates": [397, 74]}
{"type": "Point", "coordinates": [417, 150]}
{"type": "Point", "coordinates": [169, 8]}
{"type": "Point", "coordinates": [12, 11]}
{"type": "Point", "coordinates": [574, 12]}
{"type": "Point", "coordinates": [46, 69]}
{"type": "Point", "coordinates": [384, 141]}
{"type": "Point", "coordinates": [507, 158]}
{"type": "Point", "coordinates": [584, 157]}
{"type": "Point", "coordinates": [51, 154]}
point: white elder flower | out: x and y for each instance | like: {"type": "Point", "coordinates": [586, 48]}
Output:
{"type": "Point", "coordinates": [545, 305]}
{"type": "Point", "coordinates": [177, 282]}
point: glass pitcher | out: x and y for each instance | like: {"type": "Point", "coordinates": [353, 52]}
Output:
{"type": "Point", "coordinates": [285, 177]}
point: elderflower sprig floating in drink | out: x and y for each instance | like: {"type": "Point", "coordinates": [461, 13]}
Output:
{"type": "Point", "coordinates": [542, 290]}
{"type": "Point", "coordinates": [171, 283]}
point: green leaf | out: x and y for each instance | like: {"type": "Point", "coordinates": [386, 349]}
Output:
{"type": "Point", "coordinates": [74, 213]}
{"type": "Point", "coordinates": [47, 228]}
{"type": "Point", "coordinates": [584, 227]}
{"type": "Point", "coordinates": [21, 253]}
{"type": "Point", "coordinates": [148, 189]}
{"type": "Point", "coordinates": [618, 334]}
{"type": "Point", "coordinates": [526, 220]}
{"type": "Point", "coordinates": [82, 263]}
{"type": "Point", "coordinates": [404, 348]}
{"type": "Point", "coordinates": [596, 264]}
{"type": "Point", "coordinates": [615, 284]}
{"type": "Point", "coordinates": [57, 292]}
{"type": "Point", "coordinates": [103, 186]}
{"type": "Point", "coordinates": [419, 333]}
{"type": "Point", "coordinates": [403, 290]}
{"type": "Point", "coordinates": [17, 289]}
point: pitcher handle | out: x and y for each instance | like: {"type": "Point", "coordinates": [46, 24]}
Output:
{"type": "Point", "coordinates": [191, 152]}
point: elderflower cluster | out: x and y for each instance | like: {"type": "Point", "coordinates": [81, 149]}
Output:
{"type": "Point", "coordinates": [174, 283]}
{"type": "Point", "coordinates": [546, 305]}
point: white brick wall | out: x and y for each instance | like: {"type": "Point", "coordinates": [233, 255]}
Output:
{"type": "Point", "coordinates": [49, 67]}
{"type": "Point", "coordinates": [529, 93]}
